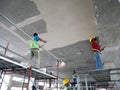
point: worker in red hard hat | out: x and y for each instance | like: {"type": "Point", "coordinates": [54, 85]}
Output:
{"type": "Point", "coordinates": [97, 52]}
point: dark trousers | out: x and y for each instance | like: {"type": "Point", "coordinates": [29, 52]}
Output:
{"type": "Point", "coordinates": [74, 81]}
{"type": "Point", "coordinates": [34, 88]}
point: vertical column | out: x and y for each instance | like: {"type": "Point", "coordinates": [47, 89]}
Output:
{"type": "Point", "coordinates": [6, 48]}
{"type": "Point", "coordinates": [50, 83]}
{"type": "Point", "coordinates": [57, 72]}
{"type": "Point", "coordinates": [23, 83]}
{"type": "Point", "coordinates": [78, 82]}
{"type": "Point", "coordinates": [10, 83]}
{"type": "Point", "coordinates": [29, 76]}
{"type": "Point", "coordinates": [86, 81]}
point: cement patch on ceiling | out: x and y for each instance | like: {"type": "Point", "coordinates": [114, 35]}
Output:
{"type": "Point", "coordinates": [18, 10]}
{"type": "Point", "coordinates": [79, 54]}
{"type": "Point", "coordinates": [36, 27]}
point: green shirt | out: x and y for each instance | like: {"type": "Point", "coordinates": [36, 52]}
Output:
{"type": "Point", "coordinates": [74, 76]}
{"type": "Point", "coordinates": [33, 44]}
{"type": "Point", "coordinates": [66, 88]}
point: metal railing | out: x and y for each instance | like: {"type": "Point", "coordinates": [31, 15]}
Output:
{"type": "Point", "coordinates": [6, 49]}
{"type": "Point", "coordinates": [6, 18]}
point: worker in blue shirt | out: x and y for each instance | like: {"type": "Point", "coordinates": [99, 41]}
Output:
{"type": "Point", "coordinates": [35, 53]}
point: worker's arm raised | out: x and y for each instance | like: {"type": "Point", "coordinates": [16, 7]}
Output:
{"type": "Point", "coordinates": [43, 40]}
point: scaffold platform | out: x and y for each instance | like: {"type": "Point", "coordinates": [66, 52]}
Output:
{"type": "Point", "coordinates": [11, 66]}
{"type": "Point", "coordinates": [103, 77]}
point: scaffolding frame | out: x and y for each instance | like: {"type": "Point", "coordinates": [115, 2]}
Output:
{"type": "Point", "coordinates": [14, 25]}
{"type": "Point", "coordinates": [12, 67]}
{"type": "Point", "coordinates": [104, 74]}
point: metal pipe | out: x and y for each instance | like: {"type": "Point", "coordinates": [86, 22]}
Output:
{"type": "Point", "coordinates": [78, 82]}
{"type": "Point", "coordinates": [57, 73]}
{"type": "Point", "coordinates": [30, 73]}
{"type": "Point", "coordinates": [23, 81]}
{"type": "Point", "coordinates": [50, 83]}
{"type": "Point", "coordinates": [14, 52]}
{"type": "Point", "coordinates": [86, 82]}
{"type": "Point", "coordinates": [10, 83]}
{"type": "Point", "coordinates": [6, 48]}
{"type": "Point", "coordinates": [5, 17]}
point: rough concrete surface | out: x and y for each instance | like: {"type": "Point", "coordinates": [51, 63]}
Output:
{"type": "Point", "coordinates": [18, 10]}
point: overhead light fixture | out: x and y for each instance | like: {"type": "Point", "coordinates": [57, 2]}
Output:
{"type": "Point", "coordinates": [119, 1]}
{"type": "Point", "coordinates": [61, 64]}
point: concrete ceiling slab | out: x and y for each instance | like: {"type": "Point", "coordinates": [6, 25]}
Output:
{"type": "Point", "coordinates": [18, 10]}
{"type": "Point", "coordinates": [65, 24]}
{"type": "Point", "coordinates": [38, 27]}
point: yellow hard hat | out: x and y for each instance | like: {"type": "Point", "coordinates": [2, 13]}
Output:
{"type": "Point", "coordinates": [91, 38]}
{"type": "Point", "coordinates": [66, 81]}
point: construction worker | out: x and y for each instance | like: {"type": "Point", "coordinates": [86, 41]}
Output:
{"type": "Point", "coordinates": [66, 83]}
{"type": "Point", "coordinates": [74, 76]}
{"type": "Point", "coordinates": [97, 52]}
{"type": "Point", "coordinates": [35, 53]}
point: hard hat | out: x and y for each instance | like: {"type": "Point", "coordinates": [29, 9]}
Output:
{"type": "Point", "coordinates": [91, 38]}
{"type": "Point", "coordinates": [66, 81]}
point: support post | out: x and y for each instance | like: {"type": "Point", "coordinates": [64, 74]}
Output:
{"type": "Point", "coordinates": [50, 83]}
{"type": "Point", "coordinates": [6, 48]}
{"type": "Point", "coordinates": [30, 73]}
{"type": "Point", "coordinates": [86, 81]}
{"type": "Point", "coordinates": [23, 83]}
{"type": "Point", "coordinates": [57, 72]}
{"type": "Point", "coordinates": [10, 83]}
{"type": "Point", "coordinates": [78, 82]}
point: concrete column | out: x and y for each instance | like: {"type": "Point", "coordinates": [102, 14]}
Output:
{"type": "Point", "coordinates": [10, 83]}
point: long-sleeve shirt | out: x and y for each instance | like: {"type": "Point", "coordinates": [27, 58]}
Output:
{"type": "Point", "coordinates": [96, 47]}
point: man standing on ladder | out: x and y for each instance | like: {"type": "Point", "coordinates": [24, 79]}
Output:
{"type": "Point", "coordinates": [97, 53]}
{"type": "Point", "coordinates": [35, 53]}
